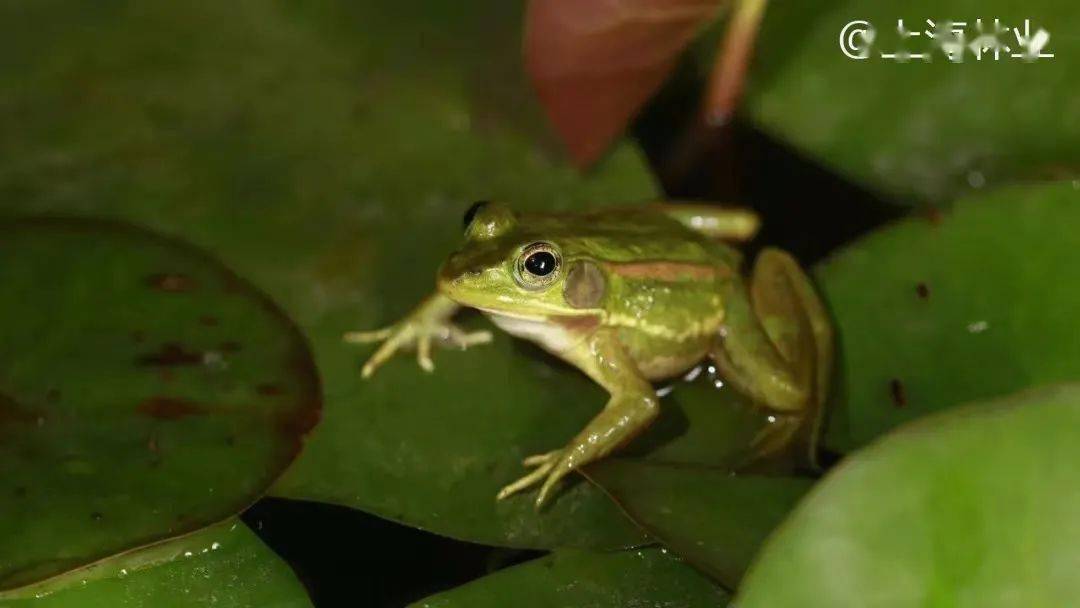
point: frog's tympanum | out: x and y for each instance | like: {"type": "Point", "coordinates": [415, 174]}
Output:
{"type": "Point", "coordinates": [629, 296]}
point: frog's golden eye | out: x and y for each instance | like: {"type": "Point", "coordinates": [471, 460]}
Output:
{"type": "Point", "coordinates": [538, 265]}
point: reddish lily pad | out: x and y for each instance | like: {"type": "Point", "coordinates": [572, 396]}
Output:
{"type": "Point", "coordinates": [595, 63]}
{"type": "Point", "coordinates": [145, 392]}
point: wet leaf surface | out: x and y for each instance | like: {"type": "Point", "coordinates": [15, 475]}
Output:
{"type": "Point", "coordinates": [331, 169]}
{"type": "Point", "coordinates": [973, 507]}
{"type": "Point", "coordinates": [125, 417]}
{"type": "Point", "coordinates": [921, 131]}
{"type": "Point", "coordinates": [225, 566]}
{"type": "Point", "coordinates": [711, 518]}
{"type": "Point", "coordinates": [955, 306]}
{"type": "Point", "coordinates": [595, 63]}
{"type": "Point", "coordinates": [645, 578]}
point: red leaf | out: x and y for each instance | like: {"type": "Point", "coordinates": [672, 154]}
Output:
{"type": "Point", "coordinates": [594, 63]}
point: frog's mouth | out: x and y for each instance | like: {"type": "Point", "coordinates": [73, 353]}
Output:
{"type": "Point", "coordinates": [517, 315]}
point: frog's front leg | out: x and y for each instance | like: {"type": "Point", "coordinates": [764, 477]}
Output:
{"type": "Point", "coordinates": [632, 406]}
{"type": "Point", "coordinates": [428, 322]}
{"type": "Point", "coordinates": [777, 346]}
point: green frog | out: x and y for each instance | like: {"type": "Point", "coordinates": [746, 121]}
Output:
{"type": "Point", "coordinates": [630, 296]}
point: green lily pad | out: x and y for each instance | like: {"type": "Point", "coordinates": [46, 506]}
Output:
{"type": "Point", "coordinates": [974, 507]}
{"type": "Point", "coordinates": [145, 392]}
{"type": "Point", "coordinates": [921, 131]}
{"type": "Point", "coordinates": [327, 151]}
{"type": "Point", "coordinates": [713, 519]}
{"type": "Point", "coordinates": [226, 566]}
{"type": "Point", "coordinates": [645, 578]}
{"type": "Point", "coordinates": [967, 304]}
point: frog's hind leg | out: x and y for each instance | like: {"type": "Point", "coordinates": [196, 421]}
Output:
{"type": "Point", "coordinates": [713, 221]}
{"type": "Point", "coordinates": [777, 347]}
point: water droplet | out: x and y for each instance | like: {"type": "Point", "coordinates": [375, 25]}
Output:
{"type": "Point", "coordinates": [215, 546]}
{"type": "Point", "coordinates": [214, 360]}
{"type": "Point", "coordinates": [187, 554]}
{"type": "Point", "coordinates": [977, 327]}
{"type": "Point", "coordinates": [976, 179]}
{"type": "Point", "coordinates": [771, 419]}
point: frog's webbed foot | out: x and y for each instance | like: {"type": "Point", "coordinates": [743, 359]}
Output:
{"type": "Point", "coordinates": [544, 463]}
{"type": "Point", "coordinates": [429, 323]}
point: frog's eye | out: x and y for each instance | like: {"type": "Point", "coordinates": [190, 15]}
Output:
{"type": "Point", "coordinates": [471, 212]}
{"type": "Point", "coordinates": [538, 265]}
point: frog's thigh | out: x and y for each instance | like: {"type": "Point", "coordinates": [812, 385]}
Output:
{"type": "Point", "coordinates": [632, 407]}
{"type": "Point", "coordinates": [750, 359]}
{"type": "Point", "coordinates": [780, 289]}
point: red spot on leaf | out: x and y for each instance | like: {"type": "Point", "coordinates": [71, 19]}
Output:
{"type": "Point", "coordinates": [594, 63]}
{"type": "Point", "coordinates": [172, 282]}
{"type": "Point", "coordinates": [12, 412]}
{"type": "Point", "coordinates": [269, 389]}
{"type": "Point", "coordinates": [899, 395]}
{"type": "Point", "coordinates": [168, 408]}
{"type": "Point", "coordinates": [170, 354]}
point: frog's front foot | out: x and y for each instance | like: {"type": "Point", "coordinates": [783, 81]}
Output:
{"type": "Point", "coordinates": [544, 464]}
{"type": "Point", "coordinates": [429, 323]}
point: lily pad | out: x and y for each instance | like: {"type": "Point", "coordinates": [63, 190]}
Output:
{"type": "Point", "coordinates": [914, 130]}
{"type": "Point", "coordinates": [225, 566]}
{"type": "Point", "coordinates": [327, 151]}
{"type": "Point", "coordinates": [645, 578]}
{"type": "Point", "coordinates": [946, 308]}
{"type": "Point", "coordinates": [713, 519]}
{"type": "Point", "coordinates": [145, 392]}
{"type": "Point", "coordinates": [974, 507]}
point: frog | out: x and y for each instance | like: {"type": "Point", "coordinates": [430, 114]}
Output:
{"type": "Point", "coordinates": [631, 296]}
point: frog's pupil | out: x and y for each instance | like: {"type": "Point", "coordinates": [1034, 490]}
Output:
{"type": "Point", "coordinates": [541, 263]}
{"type": "Point", "coordinates": [471, 212]}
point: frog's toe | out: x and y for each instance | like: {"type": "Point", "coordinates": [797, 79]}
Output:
{"type": "Point", "coordinates": [399, 338]}
{"type": "Point", "coordinates": [561, 468]}
{"type": "Point", "coordinates": [423, 354]}
{"type": "Point", "coordinates": [366, 337]}
{"type": "Point", "coordinates": [544, 463]}
{"type": "Point", "coordinates": [463, 339]}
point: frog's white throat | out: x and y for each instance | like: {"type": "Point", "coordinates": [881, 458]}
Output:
{"type": "Point", "coordinates": [551, 336]}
